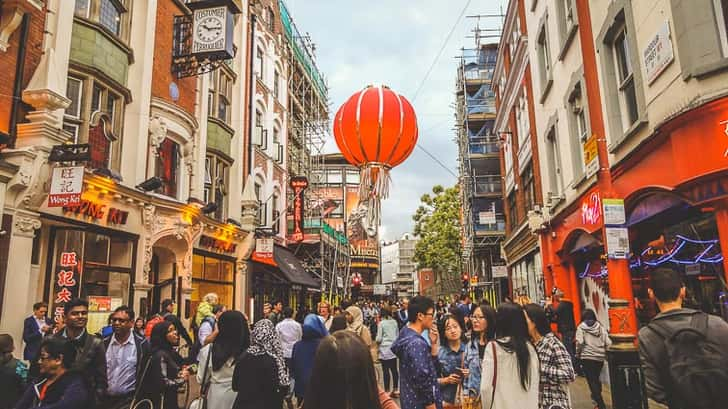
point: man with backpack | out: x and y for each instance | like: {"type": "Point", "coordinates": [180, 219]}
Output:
{"type": "Point", "coordinates": [684, 352]}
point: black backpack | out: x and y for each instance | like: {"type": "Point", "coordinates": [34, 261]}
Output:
{"type": "Point", "coordinates": [696, 367]}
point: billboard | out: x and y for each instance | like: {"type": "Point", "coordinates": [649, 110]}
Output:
{"type": "Point", "coordinates": [363, 247]}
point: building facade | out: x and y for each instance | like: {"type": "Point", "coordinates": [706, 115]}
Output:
{"type": "Point", "coordinates": [483, 216]}
{"type": "Point", "coordinates": [632, 93]}
{"type": "Point", "coordinates": [398, 263]}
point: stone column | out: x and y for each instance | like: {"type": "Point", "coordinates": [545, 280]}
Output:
{"type": "Point", "coordinates": [17, 299]}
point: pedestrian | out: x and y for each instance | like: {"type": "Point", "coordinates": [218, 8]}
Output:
{"type": "Point", "coordinates": [484, 326]}
{"type": "Point", "coordinates": [139, 325]}
{"type": "Point", "coordinates": [290, 332]}
{"type": "Point", "coordinates": [107, 329]}
{"type": "Point", "coordinates": [451, 358]}
{"type": "Point", "coordinates": [563, 316]}
{"type": "Point", "coordinates": [592, 341]}
{"type": "Point", "coordinates": [466, 306]}
{"type": "Point", "coordinates": [303, 354]}
{"type": "Point", "coordinates": [167, 374]}
{"type": "Point", "coordinates": [13, 374]}
{"type": "Point", "coordinates": [510, 364]}
{"type": "Point", "coordinates": [204, 309]}
{"type": "Point", "coordinates": [209, 323]}
{"type": "Point", "coordinates": [338, 323]}
{"type": "Point", "coordinates": [556, 370]}
{"type": "Point", "coordinates": [59, 387]}
{"type": "Point", "coordinates": [127, 355]}
{"type": "Point", "coordinates": [218, 360]}
{"type": "Point", "coordinates": [417, 359]}
{"type": "Point", "coordinates": [260, 377]}
{"type": "Point", "coordinates": [90, 353]}
{"type": "Point", "coordinates": [355, 321]}
{"type": "Point", "coordinates": [402, 315]}
{"type": "Point", "coordinates": [343, 376]}
{"type": "Point", "coordinates": [35, 328]}
{"type": "Point", "coordinates": [168, 313]}
{"type": "Point", "coordinates": [276, 314]}
{"type": "Point", "coordinates": [324, 311]}
{"type": "Point", "coordinates": [387, 332]}
{"type": "Point", "coordinates": [684, 352]}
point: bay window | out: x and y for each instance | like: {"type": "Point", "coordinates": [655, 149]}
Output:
{"type": "Point", "coordinates": [220, 94]}
{"type": "Point", "coordinates": [109, 14]}
{"type": "Point", "coordinates": [217, 171]}
{"type": "Point", "coordinates": [167, 167]}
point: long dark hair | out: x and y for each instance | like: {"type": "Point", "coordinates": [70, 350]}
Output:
{"type": "Point", "coordinates": [338, 323]}
{"type": "Point", "coordinates": [343, 375]}
{"type": "Point", "coordinates": [537, 315]}
{"type": "Point", "coordinates": [160, 344]}
{"type": "Point", "coordinates": [512, 324]}
{"type": "Point", "coordinates": [232, 340]}
{"type": "Point", "coordinates": [490, 319]}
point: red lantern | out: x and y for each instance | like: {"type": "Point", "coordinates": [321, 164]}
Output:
{"type": "Point", "coordinates": [375, 130]}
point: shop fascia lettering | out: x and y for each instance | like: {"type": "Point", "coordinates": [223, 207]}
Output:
{"type": "Point", "coordinates": [97, 211]}
{"type": "Point", "coordinates": [216, 244]}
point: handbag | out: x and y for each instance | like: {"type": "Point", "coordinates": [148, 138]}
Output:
{"type": "Point", "coordinates": [201, 401]}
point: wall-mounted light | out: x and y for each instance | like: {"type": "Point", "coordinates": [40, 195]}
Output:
{"type": "Point", "coordinates": [209, 208]}
{"type": "Point", "coordinates": [150, 184]}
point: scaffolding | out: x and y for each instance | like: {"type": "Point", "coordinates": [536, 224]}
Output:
{"type": "Point", "coordinates": [483, 220]}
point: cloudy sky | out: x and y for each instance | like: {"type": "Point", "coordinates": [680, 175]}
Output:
{"type": "Point", "coordinates": [395, 42]}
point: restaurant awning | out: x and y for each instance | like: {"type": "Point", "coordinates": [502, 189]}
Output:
{"type": "Point", "coordinates": [292, 268]}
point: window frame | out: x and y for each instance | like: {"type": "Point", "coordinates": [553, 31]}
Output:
{"type": "Point", "coordinates": [213, 163]}
{"type": "Point", "coordinates": [544, 58]}
{"type": "Point", "coordinates": [554, 164]}
{"type": "Point", "coordinates": [528, 182]}
{"type": "Point", "coordinates": [93, 15]}
{"type": "Point", "coordinates": [260, 60]}
{"type": "Point", "coordinates": [721, 14]}
{"type": "Point", "coordinates": [160, 165]}
{"type": "Point", "coordinates": [219, 94]}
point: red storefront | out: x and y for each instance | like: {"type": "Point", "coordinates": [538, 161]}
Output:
{"type": "Point", "coordinates": [675, 191]}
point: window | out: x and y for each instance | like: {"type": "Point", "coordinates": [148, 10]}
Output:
{"type": "Point", "coordinates": [334, 177]}
{"type": "Point", "coordinates": [270, 19]}
{"type": "Point", "coordinates": [276, 84]}
{"type": "Point", "coordinates": [260, 128]}
{"type": "Point", "coordinates": [553, 159]}
{"type": "Point", "coordinates": [94, 116]}
{"type": "Point", "coordinates": [515, 36]}
{"type": "Point", "coordinates": [352, 177]}
{"type": "Point", "coordinates": [625, 79]}
{"type": "Point", "coordinates": [568, 13]}
{"type": "Point", "coordinates": [579, 129]}
{"type": "Point", "coordinates": [216, 184]}
{"type": "Point", "coordinates": [220, 96]}
{"type": "Point", "coordinates": [512, 211]}
{"type": "Point", "coordinates": [110, 16]}
{"type": "Point", "coordinates": [276, 213]}
{"type": "Point", "coordinates": [544, 57]}
{"type": "Point", "coordinates": [522, 120]}
{"type": "Point", "coordinates": [276, 135]}
{"type": "Point", "coordinates": [262, 211]}
{"type": "Point", "coordinates": [721, 11]}
{"type": "Point", "coordinates": [167, 167]}
{"type": "Point", "coordinates": [259, 63]}
{"type": "Point", "coordinates": [82, 8]}
{"type": "Point", "coordinates": [529, 187]}
{"type": "Point", "coordinates": [212, 275]}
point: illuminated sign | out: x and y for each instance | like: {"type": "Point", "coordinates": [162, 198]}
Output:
{"type": "Point", "coordinates": [298, 184]}
{"type": "Point", "coordinates": [217, 244]}
{"type": "Point", "coordinates": [97, 211]}
{"type": "Point", "coordinates": [66, 283]}
{"type": "Point", "coordinates": [591, 209]}
{"type": "Point", "coordinates": [66, 186]}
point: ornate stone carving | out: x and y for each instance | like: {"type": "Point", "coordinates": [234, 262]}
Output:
{"type": "Point", "coordinates": [157, 132]}
{"type": "Point", "coordinates": [25, 225]}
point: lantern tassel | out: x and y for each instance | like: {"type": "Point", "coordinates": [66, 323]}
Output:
{"type": "Point", "coordinates": [373, 187]}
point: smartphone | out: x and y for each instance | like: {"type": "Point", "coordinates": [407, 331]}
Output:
{"type": "Point", "coordinates": [458, 372]}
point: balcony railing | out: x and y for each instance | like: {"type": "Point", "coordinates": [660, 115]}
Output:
{"type": "Point", "coordinates": [485, 185]}
{"type": "Point", "coordinates": [498, 226]}
{"type": "Point", "coordinates": [484, 148]}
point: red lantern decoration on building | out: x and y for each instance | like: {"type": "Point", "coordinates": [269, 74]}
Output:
{"type": "Point", "coordinates": [375, 130]}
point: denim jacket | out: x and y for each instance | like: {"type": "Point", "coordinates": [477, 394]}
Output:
{"type": "Point", "coordinates": [449, 361]}
{"type": "Point", "coordinates": [473, 362]}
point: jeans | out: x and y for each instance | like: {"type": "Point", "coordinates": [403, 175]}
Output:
{"type": "Point", "coordinates": [592, 369]}
{"type": "Point", "coordinates": [390, 365]}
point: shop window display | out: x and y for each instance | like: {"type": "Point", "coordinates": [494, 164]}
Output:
{"type": "Point", "coordinates": [212, 275]}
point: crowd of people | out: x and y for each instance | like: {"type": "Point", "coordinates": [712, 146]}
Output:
{"type": "Point", "coordinates": [433, 355]}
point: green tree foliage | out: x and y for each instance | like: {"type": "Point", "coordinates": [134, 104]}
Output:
{"type": "Point", "coordinates": [437, 224]}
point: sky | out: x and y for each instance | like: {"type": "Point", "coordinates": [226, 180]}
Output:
{"type": "Point", "coordinates": [395, 42]}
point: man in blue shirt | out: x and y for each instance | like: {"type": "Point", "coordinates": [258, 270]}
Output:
{"type": "Point", "coordinates": [417, 359]}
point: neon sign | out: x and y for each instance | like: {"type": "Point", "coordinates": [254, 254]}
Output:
{"type": "Point", "coordinates": [66, 281]}
{"type": "Point", "coordinates": [591, 209]}
{"type": "Point", "coordinates": [671, 255]}
{"type": "Point", "coordinates": [298, 184]}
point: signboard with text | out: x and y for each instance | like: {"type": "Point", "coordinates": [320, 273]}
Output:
{"type": "Point", "coordinates": [617, 242]}
{"type": "Point", "coordinates": [614, 212]}
{"type": "Point", "coordinates": [66, 285]}
{"type": "Point", "coordinates": [298, 184]}
{"type": "Point", "coordinates": [658, 54]}
{"type": "Point", "coordinates": [264, 248]}
{"type": "Point", "coordinates": [591, 156]}
{"type": "Point", "coordinates": [66, 186]}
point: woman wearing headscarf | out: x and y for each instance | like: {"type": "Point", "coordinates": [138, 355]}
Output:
{"type": "Point", "coordinates": [260, 377]}
{"type": "Point", "coordinates": [355, 320]}
{"type": "Point", "coordinates": [304, 352]}
{"type": "Point", "coordinates": [217, 360]}
{"type": "Point", "coordinates": [166, 372]}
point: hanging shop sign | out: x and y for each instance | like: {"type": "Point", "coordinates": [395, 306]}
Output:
{"type": "Point", "coordinates": [617, 242]}
{"type": "Point", "coordinates": [66, 281]}
{"type": "Point", "coordinates": [500, 272]}
{"type": "Point", "coordinates": [98, 211]}
{"type": "Point", "coordinates": [614, 212]}
{"type": "Point", "coordinates": [214, 244]}
{"type": "Point", "coordinates": [379, 289]}
{"type": "Point", "coordinates": [591, 209]}
{"type": "Point", "coordinates": [658, 54]}
{"type": "Point", "coordinates": [340, 282]}
{"type": "Point", "coordinates": [66, 186]}
{"type": "Point", "coordinates": [591, 156]}
{"type": "Point", "coordinates": [264, 248]}
{"type": "Point", "coordinates": [298, 184]}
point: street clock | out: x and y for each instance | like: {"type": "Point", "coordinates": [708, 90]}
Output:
{"type": "Point", "coordinates": [212, 29]}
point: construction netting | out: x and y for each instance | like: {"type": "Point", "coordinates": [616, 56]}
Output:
{"type": "Point", "coordinates": [300, 49]}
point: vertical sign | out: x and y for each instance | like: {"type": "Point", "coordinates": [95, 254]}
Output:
{"type": "Point", "coordinates": [66, 186]}
{"type": "Point", "coordinates": [591, 155]}
{"type": "Point", "coordinates": [298, 184]}
{"type": "Point", "coordinates": [66, 285]}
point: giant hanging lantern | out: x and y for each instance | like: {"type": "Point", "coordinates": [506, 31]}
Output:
{"type": "Point", "coordinates": [375, 130]}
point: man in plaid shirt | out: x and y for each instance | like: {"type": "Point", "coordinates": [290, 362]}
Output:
{"type": "Point", "coordinates": [556, 368]}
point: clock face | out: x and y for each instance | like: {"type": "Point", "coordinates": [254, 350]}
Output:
{"type": "Point", "coordinates": [209, 29]}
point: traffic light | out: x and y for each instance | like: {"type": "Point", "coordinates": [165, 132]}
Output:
{"type": "Point", "coordinates": [466, 281]}
{"type": "Point", "coordinates": [356, 281]}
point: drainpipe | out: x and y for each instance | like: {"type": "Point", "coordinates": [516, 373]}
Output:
{"type": "Point", "coordinates": [18, 85]}
{"type": "Point", "coordinates": [251, 90]}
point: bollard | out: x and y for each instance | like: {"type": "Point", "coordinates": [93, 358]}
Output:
{"type": "Point", "coordinates": [625, 371]}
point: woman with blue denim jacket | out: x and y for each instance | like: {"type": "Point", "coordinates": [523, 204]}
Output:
{"type": "Point", "coordinates": [451, 358]}
{"type": "Point", "coordinates": [483, 321]}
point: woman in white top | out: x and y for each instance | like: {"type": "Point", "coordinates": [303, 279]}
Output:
{"type": "Point", "coordinates": [233, 338]}
{"type": "Point", "coordinates": [510, 374]}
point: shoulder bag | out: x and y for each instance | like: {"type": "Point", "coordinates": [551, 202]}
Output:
{"type": "Point", "coordinates": [495, 374]}
{"type": "Point", "coordinates": [201, 401]}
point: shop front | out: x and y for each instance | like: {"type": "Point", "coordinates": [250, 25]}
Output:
{"type": "Point", "coordinates": [675, 216]}
{"type": "Point", "coordinates": [213, 271]}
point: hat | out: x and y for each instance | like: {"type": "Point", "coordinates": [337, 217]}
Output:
{"type": "Point", "coordinates": [6, 344]}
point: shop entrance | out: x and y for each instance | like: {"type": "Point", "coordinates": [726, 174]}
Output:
{"type": "Point", "coordinates": [164, 276]}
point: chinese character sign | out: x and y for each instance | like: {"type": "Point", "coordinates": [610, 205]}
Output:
{"type": "Point", "coordinates": [66, 283]}
{"type": "Point", "coordinates": [66, 186]}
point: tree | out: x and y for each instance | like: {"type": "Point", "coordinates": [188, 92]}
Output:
{"type": "Point", "coordinates": [437, 224]}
